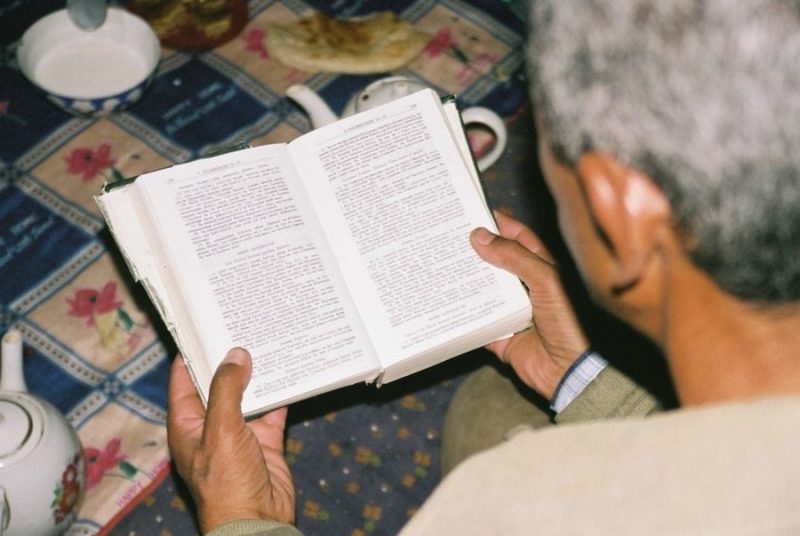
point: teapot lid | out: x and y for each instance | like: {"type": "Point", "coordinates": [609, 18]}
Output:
{"type": "Point", "coordinates": [21, 426]}
{"type": "Point", "coordinates": [387, 89]}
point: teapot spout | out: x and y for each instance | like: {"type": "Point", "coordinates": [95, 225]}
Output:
{"type": "Point", "coordinates": [11, 375]}
{"type": "Point", "coordinates": [319, 112]}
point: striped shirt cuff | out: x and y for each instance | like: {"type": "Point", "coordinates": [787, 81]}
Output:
{"type": "Point", "coordinates": [580, 374]}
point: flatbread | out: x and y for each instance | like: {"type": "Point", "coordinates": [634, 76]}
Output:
{"type": "Point", "coordinates": [375, 43]}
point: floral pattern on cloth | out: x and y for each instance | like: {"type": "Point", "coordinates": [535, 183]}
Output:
{"type": "Point", "coordinates": [105, 313]}
{"type": "Point", "coordinates": [101, 462]}
{"type": "Point", "coordinates": [94, 347]}
{"type": "Point", "coordinates": [88, 163]}
{"type": "Point", "coordinates": [443, 42]}
{"type": "Point", "coordinates": [254, 42]}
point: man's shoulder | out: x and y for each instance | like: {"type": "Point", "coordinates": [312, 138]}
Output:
{"type": "Point", "coordinates": [730, 468]}
{"type": "Point", "coordinates": [769, 415]}
{"type": "Point", "coordinates": [763, 432]}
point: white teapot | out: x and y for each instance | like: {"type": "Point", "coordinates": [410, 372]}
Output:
{"type": "Point", "coordinates": [391, 88]}
{"type": "Point", "coordinates": [42, 474]}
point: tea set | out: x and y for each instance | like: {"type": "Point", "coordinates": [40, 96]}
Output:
{"type": "Point", "coordinates": [390, 88]}
{"type": "Point", "coordinates": [91, 59]}
{"type": "Point", "coordinates": [42, 472]}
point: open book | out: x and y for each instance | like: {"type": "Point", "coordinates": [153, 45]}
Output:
{"type": "Point", "coordinates": [340, 257]}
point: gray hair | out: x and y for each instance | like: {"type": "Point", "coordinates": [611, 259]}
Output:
{"type": "Point", "coordinates": [704, 97]}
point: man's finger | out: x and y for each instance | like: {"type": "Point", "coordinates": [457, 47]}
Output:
{"type": "Point", "coordinates": [182, 397]}
{"type": "Point", "coordinates": [509, 255]}
{"type": "Point", "coordinates": [227, 388]}
{"type": "Point", "coordinates": [269, 429]}
{"type": "Point", "coordinates": [516, 230]}
{"type": "Point", "coordinates": [185, 413]}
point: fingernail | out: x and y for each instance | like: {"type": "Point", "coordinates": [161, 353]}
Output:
{"type": "Point", "coordinates": [483, 236]}
{"type": "Point", "coordinates": [236, 356]}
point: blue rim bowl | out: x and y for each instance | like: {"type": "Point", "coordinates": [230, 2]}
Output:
{"type": "Point", "coordinates": [90, 73]}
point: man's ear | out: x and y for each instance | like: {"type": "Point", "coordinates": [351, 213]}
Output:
{"type": "Point", "coordinates": [628, 210]}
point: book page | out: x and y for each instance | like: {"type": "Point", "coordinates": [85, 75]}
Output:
{"type": "Point", "coordinates": [462, 142]}
{"type": "Point", "coordinates": [136, 239]}
{"type": "Point", "coordinates": [399, 202]}
{"type": "Point", "coordinates": [254, 272]}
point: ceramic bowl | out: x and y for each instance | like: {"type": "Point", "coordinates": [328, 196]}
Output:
{"type": "Point", "coordinates": [90, 73]}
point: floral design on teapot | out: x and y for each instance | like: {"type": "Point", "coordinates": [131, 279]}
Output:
{"type": "Point", "coordinates": [69, 490]}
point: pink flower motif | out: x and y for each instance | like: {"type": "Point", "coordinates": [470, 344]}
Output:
{"type": "Point", "coordinates": [254, 42]}
{"type": "Point", "coordinates": [482, 64]}
{"type": "Point", "coordinates": [98, 462]}
{"type": "Point", "coordinates": [484, 61]}
{"type": "Point", "coordinates": [88, 163]}
{"type": "Point", "coordinates": [439, 43]}
{"type": "Point", "coordinates": [89, 302]}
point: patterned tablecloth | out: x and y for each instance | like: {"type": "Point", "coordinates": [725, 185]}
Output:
{"type": "Point", "coordinates": [94, 347]}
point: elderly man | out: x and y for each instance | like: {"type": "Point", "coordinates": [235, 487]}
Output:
{"type": "Point", "coordinates": [668, 137]}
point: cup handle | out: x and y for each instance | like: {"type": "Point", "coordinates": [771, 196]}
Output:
{"type": "Point", "coordinates": [492, 121]}
{"type": "Point", "coordinates": [3, 511]}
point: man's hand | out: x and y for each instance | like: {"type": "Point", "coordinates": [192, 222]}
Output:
{"type": "Point", "coordinates": [541, 354]}
{"type": "Point", "coordinates": [234, 469]}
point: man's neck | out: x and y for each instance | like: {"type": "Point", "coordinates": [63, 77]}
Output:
{"type": "Point", "coordinates": [722, 349]}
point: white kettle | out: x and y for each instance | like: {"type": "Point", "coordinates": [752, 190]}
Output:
{"type": "Point", "coordinates": [42, 473]}
{"type": "Point", "coordinates": [391, 88]}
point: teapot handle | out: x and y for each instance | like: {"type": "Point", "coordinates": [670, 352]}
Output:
{"type": "Point", "coordinates": [3, 511]}
{"type": "Point", "coordinates": [493, 122]}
